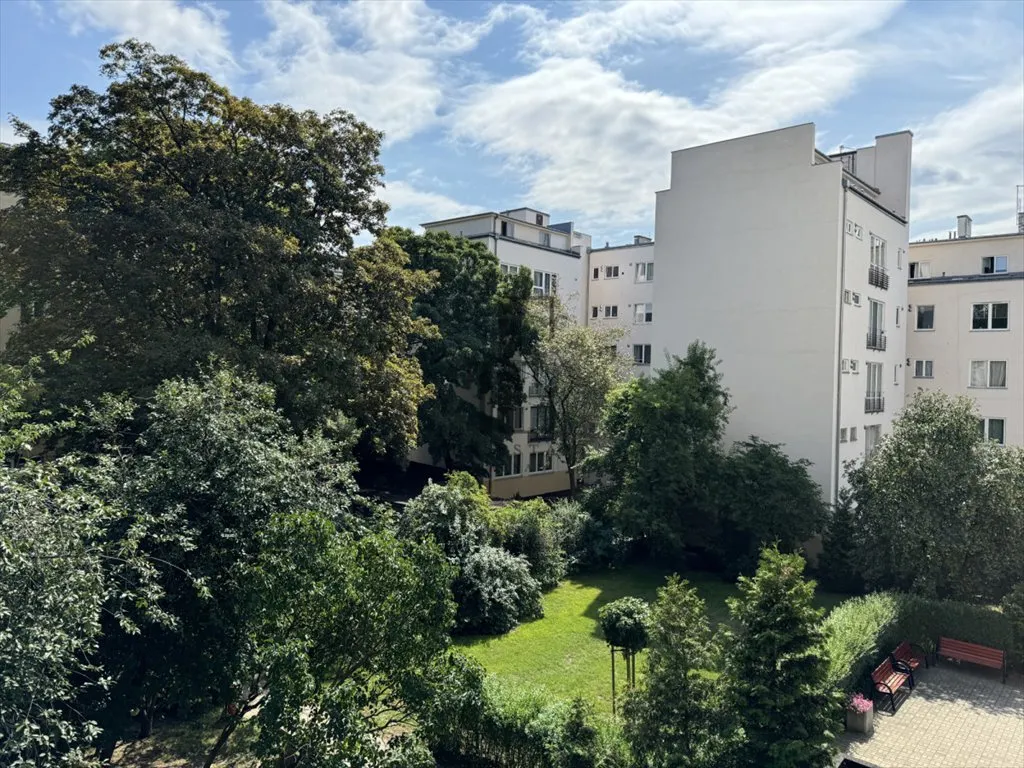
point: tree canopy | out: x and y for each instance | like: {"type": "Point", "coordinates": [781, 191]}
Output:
{"type": "Point", "coordinates": [174, 220]}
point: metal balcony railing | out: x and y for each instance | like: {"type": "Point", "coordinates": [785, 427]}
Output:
{"type": "Point", "coordinates": [878, 277]}
{"type": "Point", "coordinates": [539, 436]}
{"type": "Point", "coordinates": [876, 340]}
{"type": "Point", "coordinates": [874, 404]}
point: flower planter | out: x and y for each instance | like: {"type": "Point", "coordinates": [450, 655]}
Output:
{"type": "Point", "coordinates": [860, 722]}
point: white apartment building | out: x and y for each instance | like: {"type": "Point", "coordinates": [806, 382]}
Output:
{"type": "Point", "coordinates": [621, 296]}
{"type": "Point", "coordinates": [966, 335]}
{"type": "Point", "coordinates": [792, 264]}
{"type": "Point", "coordinates": [557, 255]}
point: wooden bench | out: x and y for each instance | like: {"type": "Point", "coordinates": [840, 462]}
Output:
{"type": "Point", "coordinates": [905, 660]}
{"type": "Point", "coordinates": [888, 679]}
{"type": "Point", "coordinates": [972, 652]}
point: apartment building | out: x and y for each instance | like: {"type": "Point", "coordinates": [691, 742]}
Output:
{"type": "Point", "coordinates": [557, 256]}
{"type": "Point", "coordinates": [966, 335]}
{"type": "Point", "coordinates": [792, 264]}
{"type": "Point", "coordinates": [621, 295]}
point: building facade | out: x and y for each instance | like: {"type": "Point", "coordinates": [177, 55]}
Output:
{"type": "Point", "coordinates": [966, 334]}
{"type": "Point", "coordinates": [792, 265]}
{"type": "Point", "coordinates": [621, 295]}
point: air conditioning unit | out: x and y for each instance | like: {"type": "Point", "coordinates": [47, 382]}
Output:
{"type": "Point", "coordinates": [854, 366]}
{"type": "Point", "coordinates": [845, 366]}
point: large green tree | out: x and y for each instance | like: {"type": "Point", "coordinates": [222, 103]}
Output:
{"type": "Point", "coordinates": [576, 366]}
{"type": "Point", "coordinates": [936, 504]}
{"type": "Point", "coordinates": [777, 668]}
{"type": "Point", "coordinates": [175, 220]}
{"type": "Point", "coordinates": [474, 363]}
{"type": "Point", "coordinates": [661, 452]}
{"type": "Point", "coordinates": [674, 718]}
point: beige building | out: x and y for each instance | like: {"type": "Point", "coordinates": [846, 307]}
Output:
{"type": "Point", "coordinates": [966, 329]}
{"type": "Point", "coordinates": [621, 295]}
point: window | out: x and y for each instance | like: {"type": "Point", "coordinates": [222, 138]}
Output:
{"type": "Point", "coordinates": [540, 461]}
{"type": "Point", "coordinates": [509, 269]}
{"type": "Point", "coordinates": [513, 465]}
{"type": "Point", "coordinates": [877, 252]}
{"type": "Point", "coordinates": [925, 317]}
{"type": "Point", "coordinates": [644, 271]}
{"type": "Point", "coordinates": [853, 434]}
{"type": "Point", "coordinates": [849, 227]}
{"type": "Point", "coordinates": [993, 265]}
{"type": "Point", "coordinates": [854, 366]}
{"type": "Point", "coordinates": [507, 229]}
{"type": "Point", "coordinates": [876, 317]}
{"type": "Point", "coordinates": [846, 296]}
{"type": "Point", "coordinates": [842, 435]}
{"type": "Point", "coordinates": [513, 418]}
{"type": "Point", "coordinates": [844, 365]}
{"type": "Point", "coordinates": [593, 311]}
{"type": "Point", "coordinates": [540, 219]}
{"type": "Point", "coordinates": [899, 258]}
{"type": "Point", "coordinates": [858, 231]}
{"type": "Point", "coordinates": [990, 317]}
{"type": "Point", "coordinates": [874, 379]}
{"type": "Point", "coordinates": [872, 437]}
{"type": "Point", "coordinates": [896, 375]}
{"type": "Point", "coordinates": [544, 283]}
{"type": "Point", "coordinates": [611, 271]}
{"type": "Point", "coordinates": [992, 429]}
{"type": "Point", "coordinates": [545, 239]}
{"type": "Point", "coordinates": [920, 269]}
{"type": "Point", "coordinates": [597, 272]}
{"type": "Point", "coordinates": [899, 311]}
{"type": "Point", "coordinates": [611, 310]}
{"type": "Point", "coordinates": [641, 354]}
{"type": "Point", "coordinates": [922, 369]}
{"type": "Point", "coordinates": [988, 374]}
{"type": "Point", "coordinates": [643, 313]}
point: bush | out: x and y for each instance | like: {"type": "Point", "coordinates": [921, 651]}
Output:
{"type": "Point", "coordinates": [838, 569]}
{"type": "Point", "coordinates": [514, 726]}
{"type": "Point", "coordinates": [495, 592]}
{"type": "Point", "coordinates": [863, 630]}
{"type": "Point", "coordinates": [586, 541]}
{"type": "Point", "coordinates": [452, 514]}
{"type": "Point", "coordinates": [527, 528]}
{"type": "Point", "coordinates": [1013, 609]}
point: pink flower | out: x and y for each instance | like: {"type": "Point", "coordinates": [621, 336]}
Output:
{"type": "Point", "coordinates": [860, 704]}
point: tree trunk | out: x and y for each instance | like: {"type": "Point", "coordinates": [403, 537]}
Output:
{"type": "Point", "coordinates": [222, 739]}
{"type": "Point", "coordinates": [572, 480]}
{"type": "Point", "coordinates": [145, 718]}
{"type": "Point", "coordinates": [105, 749]}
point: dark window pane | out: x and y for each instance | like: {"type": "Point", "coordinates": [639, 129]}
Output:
{"type": "Point", "coordinates": [1000, 315]}
{"type": "Point", "coordinates": [980, 317]}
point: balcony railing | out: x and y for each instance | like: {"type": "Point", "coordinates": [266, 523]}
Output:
{"type": "Point", "coordinates": [876, 340]}
{"type": "Point", "coordinates": [878, 277]}
{"type": "Point", "coordinates": [535, 390]}
{"type": "Point", "coordinates": [539, 436]}
{"type": "Point", "coordinates": [874, 404]}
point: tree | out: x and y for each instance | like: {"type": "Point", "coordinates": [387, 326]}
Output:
{"type": "Point", "coordinates": [473, 364]}
{"type": "Point", "coordinates": [346, 642]}
{"type": "Point", "coordinates": [777, 668]}
{"type": "Point", "coordinates": [174, 220]}
{"type": "Point", "coordinates": [576, 366]}
{"type": "Point", "coordinates": [936, 504]}
{"type": "Point", "coordinates": [624, 623]}
{"type": "Point", "coordinates": [764, 496]}
{"type": "Point", "coordinates": [673, 718]}
{"type": "Point", "coordinates": [662, 435]}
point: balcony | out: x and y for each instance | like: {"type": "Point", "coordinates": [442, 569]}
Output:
{"type": "Point", "coordinates": [535, 390]}
{"type": "Point", "coordinates": [539, 436]}
{"type": "Point", "coordinates": [878, 277]}
{"type": "Point", "coordinates": [874, 404]}
{"type": "Point", "coordinates": [876, 340]}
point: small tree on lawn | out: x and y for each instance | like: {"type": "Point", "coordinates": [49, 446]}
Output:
{"type": "Point", "coordinates": [777, 668]}
{"type": "Point", "coordinates": [673, 718]}
{"type": "Point", "coordinates": [624, 623]}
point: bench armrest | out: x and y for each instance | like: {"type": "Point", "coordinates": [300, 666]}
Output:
{"type": "Point", "coordinates": [902, 666]}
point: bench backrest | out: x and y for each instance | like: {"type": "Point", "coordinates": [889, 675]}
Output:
{"type": "Point", "coordinates": [961, 649]}
{"type": "Point", "coordinates": [883, 671]}
{"type": "Point", "coordinates": [903, 651]}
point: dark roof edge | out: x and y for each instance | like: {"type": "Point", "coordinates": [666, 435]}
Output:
{"type": "Point", "coordinates": [966, 278]}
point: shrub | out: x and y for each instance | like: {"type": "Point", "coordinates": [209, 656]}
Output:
{"type": "Point", "coordinates": [625, 623]}
{"type": "Point", "coordinates": [527, 528]}
{"type": "Point", "coordinates": [859, 633]}
{"type": "Point", "coordinates": [1013, 609]}
{"type": "Point", "coordinates": [452, 514]}
{"type": "Point", "coordinates": [495, 591]}
{"type": "Point", "coordinates": [586, 541]}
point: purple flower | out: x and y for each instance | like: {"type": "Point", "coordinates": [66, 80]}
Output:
{"type": "Point", "coordinates": [860, 704]}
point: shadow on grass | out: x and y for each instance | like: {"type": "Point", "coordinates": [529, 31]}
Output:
{"type": "Point", "coordinates": [177, 744]}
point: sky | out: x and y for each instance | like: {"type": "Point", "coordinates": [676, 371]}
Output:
{"type": "Point", "coordinates": [574, 107]}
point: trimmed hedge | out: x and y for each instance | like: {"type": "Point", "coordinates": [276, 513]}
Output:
{"type": "Point", "coordinates": [863, 630]}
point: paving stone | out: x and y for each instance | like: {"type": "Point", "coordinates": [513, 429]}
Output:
{"type": "Point", "coordinates": [956, 717]}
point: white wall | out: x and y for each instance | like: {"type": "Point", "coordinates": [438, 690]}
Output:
{"type": "Point", "coordinates": [748, 238]}
{"type": "Point", "coordinates": [963, 257]}
{"type": "Point", "coordinates": [625, 292]}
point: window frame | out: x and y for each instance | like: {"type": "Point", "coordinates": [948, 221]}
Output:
{"type": "Point", "coordinates": [644, 357]}
{"type": "Point", "coordinates": [611, 272]}
{"type": "Point", "coordinates": [988, 374]}
{"type": "Point", "coordinates": [597, 273]}
{"type": "Point", "coordinates": [611, 311]}
{"type": "Point", "coordinates": [986, 428]}
{"type": "Point", "coordinates": [995, 265]}
{"type": "Point", "coordinates": [647, 269]}
{"type": "Point", "coordinates": [989, 315]}
{"type": "Point", "coordinates": [927, 368]}
{"type": "Point", "coordinates": [917, 317]}
{"type": "Point", "coordinates": [646, 316]}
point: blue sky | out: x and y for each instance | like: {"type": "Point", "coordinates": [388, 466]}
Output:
{"type": "Point", "coordinates": [574, 107]}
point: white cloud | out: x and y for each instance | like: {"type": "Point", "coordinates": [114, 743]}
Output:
{"type": "Point", "coordinates": [393, 71]}
{"type": "Point", "coordinates": [589, 141]}
{"type": "Point", "coordinates": [969, 159]}
{"type": "Point", "coordinates": [411, 206]}
{"type": "Point", "coordinates": [194, 32]}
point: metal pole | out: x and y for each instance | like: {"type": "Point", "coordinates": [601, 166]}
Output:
{"type": "Point", "coordinates": [613, 680]}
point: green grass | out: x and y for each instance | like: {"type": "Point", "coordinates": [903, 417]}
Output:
{"type": "Point", "coordinates": [565, 653]}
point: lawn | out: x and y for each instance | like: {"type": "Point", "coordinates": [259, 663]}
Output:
{"type": "Point", "coordinates": [565, 653]}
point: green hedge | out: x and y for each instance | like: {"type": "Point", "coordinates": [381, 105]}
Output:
{"type": "Point", "coordinates": [863, 630]}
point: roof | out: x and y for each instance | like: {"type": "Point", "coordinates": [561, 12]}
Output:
{"type": "Point", "coordinates": [966, 278]}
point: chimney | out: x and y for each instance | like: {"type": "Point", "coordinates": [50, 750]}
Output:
{"type": "Point", "coordinates": [963, 226]}
{"type": "Point", "coordinates": [641, 240]}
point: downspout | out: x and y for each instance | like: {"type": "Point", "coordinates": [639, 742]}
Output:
{"type": "Point", "coordinates": [839, 367]}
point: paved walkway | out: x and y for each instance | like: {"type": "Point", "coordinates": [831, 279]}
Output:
{"type": "Point", "coordinates": [955, 718]}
